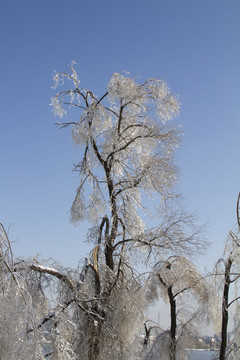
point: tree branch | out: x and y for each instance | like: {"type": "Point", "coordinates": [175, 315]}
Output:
{"type": "Point", "coordinates": [53, 272]}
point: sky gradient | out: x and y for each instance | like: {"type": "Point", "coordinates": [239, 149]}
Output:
{"type": "Point", "coordinates": [193, 45]}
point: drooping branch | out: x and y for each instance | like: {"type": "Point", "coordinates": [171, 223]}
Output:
{"type": "Point", "coordinates": [47, 270]}
{"type": "Point", "coordinates": [233, 301]}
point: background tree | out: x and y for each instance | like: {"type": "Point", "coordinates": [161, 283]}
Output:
{"type": "Point", "coordinates": [227, 273]}
{"type": "Point", "coordinates": [179, 284]}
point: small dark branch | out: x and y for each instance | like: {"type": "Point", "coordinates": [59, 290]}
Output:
{"type": "Point", "coordinates": [52, 315]}
{"type": "Point", "coordinates": [91, 300]}
{"type": "Point", "coordinates": [238, 216]}
{"type": "Point", "coordinates": [63, 125]}
{"type": "Point", "coordinates": [105, 220]}
{"type": "Point", "coordinates": [110, 110]}
{"type": "Point", "coordinates": [181, 291]}
{"type": "Point", "coordinates": [134, 274]}
{"type": "Point", "coordinates": [140, 242]}
{"type": "Point", "coordinates": [63, 93]}
{"type": "Point", "coordinates": [91, 95]}
{"type": "Point", "coordinates": [132, 184]}
{"type": "Point", "coordinates": [133, 126]}
{"type": "Point", "coordinates": [184, 325]}
{"type": "Point", "coordinates": [91, 313]}
{"type": "Point", "coordinates": [48, 354]}
{"type": "Point", "coordinates": [83, 165]}
{"type": "Point", "coordinates": [235, 279]}
{"type": "Point", "coordinates": [46, 319]}
{"type": "Point", "coordinates": [102, 98]}
{"type": "Point", "coordinates": [73, 104]}
{"type": "Point", "coordinates": [122, 242]}
{"type": "Point", "coordinates": [162, 281]}
{"type": "Point", "coordinates": [120, 117]}
{"type": "Point", "coordinates": [234, 238]}
{"type": "Point", "coordinates": [233, 301]}
{"type": "Point", "coordinates": [129, 143]}
{"type": "Point", "coordinates": [147, 335]}
{"type": "Point", "coordinates": [83, 96]}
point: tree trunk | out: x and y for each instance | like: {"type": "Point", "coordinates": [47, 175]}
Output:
{"type": "Point", "coordinates": [223, 346]}
{"type": "Point", "coordinates": [94, 331]}
{"type": "Point", "coordinates": [114, 223]}
{"type": "Point", "coordinates": [173, 324]}
{"type": "Point", "coordinates": [109, 256]}
{"type": "Point", "coordinates": [173, 314]}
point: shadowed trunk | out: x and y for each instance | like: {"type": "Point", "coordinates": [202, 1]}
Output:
{"type": "Point", "coordinates": [94, 332]}
{"type": "Point", "coordinates": [114, 223]}
{"type": "Point", "coordinates": [173, 314]}
{"type": "Point", "coordinates": [223, 347]}
{"type": "Point", "coordinates": [173, 323]}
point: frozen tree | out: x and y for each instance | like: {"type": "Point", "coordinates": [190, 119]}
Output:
{"type": "Point", "coordinates": [227, 274]}
{"type": "Point", "coordinates": [128, 152]}
{"type": "Point", "coordinates": [128, 149]}
{"type": "Point", "coordinates": [178, 282]}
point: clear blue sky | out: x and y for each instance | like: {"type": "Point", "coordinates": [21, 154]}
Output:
{"type": "Point", "coordinates": [193, 45]}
